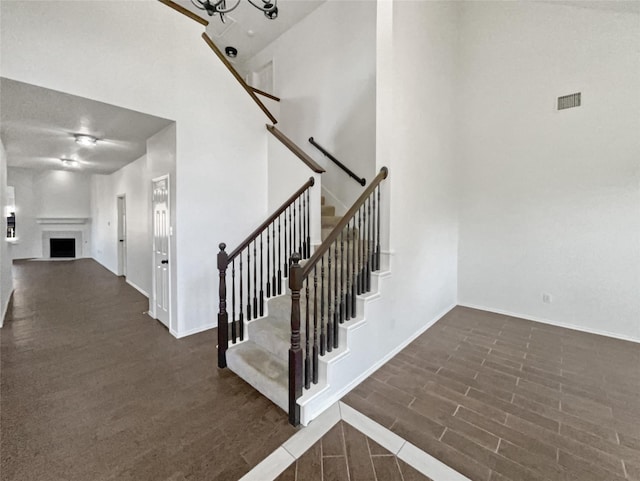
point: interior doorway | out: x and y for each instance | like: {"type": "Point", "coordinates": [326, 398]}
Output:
{"type": "Point", "coordinates": [122, 234]}
{"type": "Point", "coordinates": [161, 216]}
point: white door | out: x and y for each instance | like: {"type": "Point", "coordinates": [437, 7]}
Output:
{"type": "Point", "coordinates": [161, 257]}
{"type": "Point", "coordinates": [122, 235]}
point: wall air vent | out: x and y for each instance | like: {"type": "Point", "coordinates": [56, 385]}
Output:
{"type": "Point", "coordinates": [569, 101]}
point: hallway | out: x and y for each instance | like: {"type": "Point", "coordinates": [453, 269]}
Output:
{"type": "Point", "coordinates": [94, 389]}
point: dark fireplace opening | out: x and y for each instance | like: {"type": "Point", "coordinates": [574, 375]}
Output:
{"type": "Point", "coordinates": [62, 247]}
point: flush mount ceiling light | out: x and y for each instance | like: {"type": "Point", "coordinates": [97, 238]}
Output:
{"type": "Point", "coordinates": [69, 162]}
{"type": "Point", "coordinates": [84, 139]}
{"type": "Point", "coordinates": [268, 7]}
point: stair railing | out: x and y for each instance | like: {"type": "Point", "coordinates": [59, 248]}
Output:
{"type": "Point", "coordinates": [330, 281]}
{"type": "Point", "coordinates": [287, 230]}
{"type": "Point", "coordinates": [360, 180]}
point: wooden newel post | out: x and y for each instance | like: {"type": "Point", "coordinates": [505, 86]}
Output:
{"type": "Point", "coordinates": [223, 317]}
{"type": "Point", "coordinates": [295, 351]}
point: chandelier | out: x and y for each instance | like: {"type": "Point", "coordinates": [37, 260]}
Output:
{"type": "Point", "coordinates": [268, 7]}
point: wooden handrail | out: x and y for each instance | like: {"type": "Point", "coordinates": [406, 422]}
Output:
{"type": "Point", "coordinates": [265, 94]}
{"type": "Point", "coordinates": [237, 76]}
{"type": "Point", "coordinates": [270, 219]}
{"type": "Point", "coordinates": [360, 180]}
{"type": "Point", "coordinates": [289, 144]}
{"type": "Point", "coordinates": [322, 249]}
{"type": "Point", "coordinates": [184, 11]}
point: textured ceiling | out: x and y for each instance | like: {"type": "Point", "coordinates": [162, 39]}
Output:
{"type": "Point", "coordinates": [37, 126]}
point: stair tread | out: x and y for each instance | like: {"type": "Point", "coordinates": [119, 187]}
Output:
{"type": "Point", "coordinates": [264, 371]}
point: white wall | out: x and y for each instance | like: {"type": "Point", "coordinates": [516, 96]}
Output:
{"type": "Point", "coordinates": [151, 59]}
{"type": "Point", "coordinates": [324, 73]}
{"type": "Point", "coordinates": [134, 182]}
{"type": "Point", "coordinates": [49, 194]}
{"type": "Point", "coordinates": [550, 201]}
{"type": "Point", "coordinates": [6, 279]}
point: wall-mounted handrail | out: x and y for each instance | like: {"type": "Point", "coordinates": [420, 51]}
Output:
{"type": "Point", "coordinates": [360, 180]}
{"type": "Point", "coordinates": [324, 290]}
{"type": "Point", "coordinates": [289, 144]}
{"type": "Point", "coordinates": [237, 76]}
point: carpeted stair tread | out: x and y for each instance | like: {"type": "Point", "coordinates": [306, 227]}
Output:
{"type": "Point", "coordinates": [265, 372]}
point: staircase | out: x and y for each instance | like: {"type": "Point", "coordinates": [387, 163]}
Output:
{"type": "Point", "coordinates": [294, 347]}
{"type": "Point", "coordinates": [262, 359]}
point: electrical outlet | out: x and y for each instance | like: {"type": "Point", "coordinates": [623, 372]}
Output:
{"type": "Point", "coordinates": [547, 298]}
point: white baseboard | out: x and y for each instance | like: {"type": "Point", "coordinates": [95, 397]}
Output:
{"type": "Point", "coordinates": [573, 327]}
{"type": "Point", "coordinates": [195, 330]}
{"type": "Point", "coordinates": [337, 203]}
{"type": "Point", "coordinates": [138, 288]}
{"type": "Point", "coordinates": [6, 307]}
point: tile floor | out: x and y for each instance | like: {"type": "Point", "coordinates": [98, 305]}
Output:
{"type": "Point", "coordinates": [501, 398]}
{"type": "Point", "coordinates": [345, 454]}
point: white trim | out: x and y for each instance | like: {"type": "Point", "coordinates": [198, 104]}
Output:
{"type": "Point", "coordinates": [5, 308]}
{"type": "Point", "coordinates": [573, 327]}
{"type": "Point", "coordinates": [336, 396]}
{"type": "Point", "coordinates": [137, 288]}
{"type": "Point", "coordinates": [195, 330]}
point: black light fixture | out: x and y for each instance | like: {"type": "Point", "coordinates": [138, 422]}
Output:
{"type": "Point", "coordinates": [268, 7]}
{"type": "Point", "coordinates": [231, 52]}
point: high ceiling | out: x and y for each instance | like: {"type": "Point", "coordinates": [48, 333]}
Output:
{"type": "Point", "coordinates": [248, 30]}
{"type": "Point", "coordinates": [37, 127]}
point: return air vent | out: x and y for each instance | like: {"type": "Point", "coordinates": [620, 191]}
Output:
{"type": "Point", "coordinates": [569, 101]}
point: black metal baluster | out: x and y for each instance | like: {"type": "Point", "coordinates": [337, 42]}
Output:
{"type": "Point", "coordinates": [290, 236]}
{"type": "Point", "coordinates": [273, 256]}
{"type": "Point", "coordinates": [301, 247]}
{"type": "Point", "coordinates": [308, 224]}
{"type": "Point", "coordinates": [305, 213]}
{"type": "Point", "coordinates": [329, 307]}
{"type": "Point", "coordinates": [336, 293]}
{"type": "Point", "coordinates": [248, 283]}
{"type": "Point", "coordinates": [360, 240]}
{"type": "Point", "coordinates": [347, 298]}
{"type": "Point", "coordinates": [378, 234]}
{"type": "Point", "coordinates": [369, 246]}
{"type": "Point", "coordinates": [307, 346]}
{"type": "Point", "coordinates": [342, 274]}
{"type": "Point", "coordinates": [241, 318]}
{"type": "Point", "coordinates": [293, 227]}
{"type": "Point", "coordinates": [355, 240]}
{"type": "Point", "coordinates": [286, 251]}
{"type": "Point", "coordinates": [261, 279]}
{"type": "Point", "coordinates": [233, 301]}
{"type": "Point", "coordinates": [323, 335]}
{"type": "Point", "coordinates": [255, 281]}
{"type": "Point", "coordinates": [279, 260]}
{"type": "Point", "coordinates": [268, 264]}
{"type": "Point", "coordinates": [365, 249]}
{"type": "Point", "coordinates": [315, 324]}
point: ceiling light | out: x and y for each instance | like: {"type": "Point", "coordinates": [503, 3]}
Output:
{"type": "Point", "coordinates": [84, 139]}
{"type": "Point", "coordinates": [69, 162]}
{"type": "Point", "coordinates": [268, 7]}
{"type": "Point", "coordinates": [231, 52]}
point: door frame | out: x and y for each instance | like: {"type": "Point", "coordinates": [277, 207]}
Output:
{"type": "Point", "coordinates": [152, 310]}
{"type": "Point", "coordinates": [121, 230]}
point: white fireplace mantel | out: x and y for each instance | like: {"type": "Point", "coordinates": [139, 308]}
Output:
{"type": "Point", "coordinates": [62, 220]}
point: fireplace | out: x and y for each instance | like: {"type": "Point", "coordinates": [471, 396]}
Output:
{"type": "Point", "coordinates": [63, 247]}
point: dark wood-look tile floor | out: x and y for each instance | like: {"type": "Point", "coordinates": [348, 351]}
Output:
{"type": "Point", "coordinates": [92, 389]}
{"type": "Point", "coordinates": [500, 398]}
{"type": "Point", "coordinates": [345, 454]}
